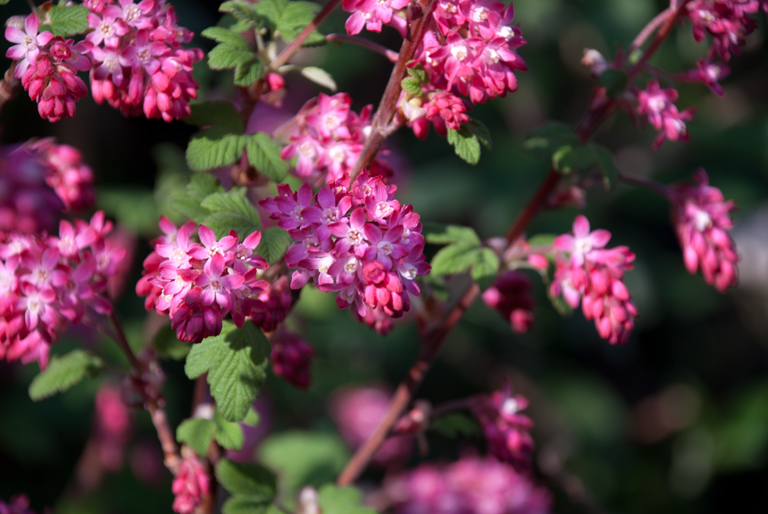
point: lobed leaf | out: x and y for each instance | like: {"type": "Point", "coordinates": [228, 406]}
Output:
{"type": "Point", "coordinates": [68, 20]}
{"type": "Point", "coordinates": [455, 258]}
{"type": "Point", "coordinates": [231, 211]}
{"type": "Point", "coordinates": [225, 56]}
{"type": "Point", "coordinates": [295, 16]}
{"type": "Point", "coordinates": [274, 243]}
{"type": "Point", "coordinates": [342, 500]}
{"type": "Point", "coordinates": [244, 12]}
{"type": "Point", "coordinates": [412, 86]}
{"type": "Point", "coordinates": [253, 487]}
{"type": "Point", "coordinates": [435, 233]}
{"type": "Point", "coordinates": [465, 144]}
{"type": "Point", "coordinates": [264, 155]}
{"type": "Point", "coordinates": [236, 362]}
{"type": "Point", "coordinates": [246, 73]}
{"type": "Point", "coordinates": [213, 148]}
{"type": "Point", "coordinates": [228, 434]}
{"type": "Point", "coordinates": [63, 372]}
{"type": "Point", "coordinates": [485, 267]}
{"type": "Point", "coordinates": [225, 35]}
{"type": "Point", "coordinates": [480, 131]}
{"type": "Point", "coordinates": [218, 114]}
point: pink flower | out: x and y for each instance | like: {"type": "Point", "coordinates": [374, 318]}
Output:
{"type": "Point", "coordinates": [658, 105]}
{"type": "Point", "coordinates": [273, 305]}
{"type": "Point", "coordinates": [582, 242]}
{"type": "Point", "coordinates": [292, 358]}
{"type": "Point", "coordinates": [473, 485]}
{"type": "Point", "coordinates": [357, 413]}
{"type": "Point", "coordinates": [28, 43]}
{"type": "Point", "coordinates": [702, 218]}
{"type": "Point", "coordinates": [371, 13]}
{"type": "Point", "coordinates": [190, 484]}
{"type": "Point", "coordinates": [728, 22]}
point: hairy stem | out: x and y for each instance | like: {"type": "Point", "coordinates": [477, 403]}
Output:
{"type": "Point", "coordinates": [388, 104]}
{"type": "Point", "coordinates": [370, 45]}
{"type": "Point", "coordinates": [661, 35]}
{"type": "Point", "coordinates": [156, 412]}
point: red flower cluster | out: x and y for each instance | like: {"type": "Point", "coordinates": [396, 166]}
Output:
{"type": "Point", "coordinates": [505, 429]}
{"type": "Point", "coordinates": [48, 283]}
{"type": "Point", "coordinates": [512, 296]}
{"type": "Point", "coordinates": [196, 284]}
{"type": "Point", "coordinates": [292, 358]}
{"type": "Point", "coordinates": [358, 241]}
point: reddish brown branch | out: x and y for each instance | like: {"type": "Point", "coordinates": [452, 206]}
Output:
{"type": "Point", "coordinates": [295, 45]}
{"type": "Point", "coordinates": [388, 104]}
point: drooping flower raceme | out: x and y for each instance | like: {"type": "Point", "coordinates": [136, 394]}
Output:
{"type": "Point", "coordinates": [505, 429]}
{"type": "Point", "coordinates": [48, 68]}
{"type": "Point", "coordinates": [370, 13]}
{"type": "Point", "coordinates": [472, 49]}
{"type": "Point", "coordinates": [727, 21]}
{"type": "Point", "coordinates": [658, 106]}
{"type": "Point", "coordinates": [197, 284]}
{"type": "Point", "coordinates": [190, 485]}
{"type": "Point", "coordinates": [139, 65]}
{"type": "Point", "coordinates": [588, 273]}
{"type": "Point", "coordinates": [473, 485]}
{"type": "Point", "coordinates": [327, 137]}
{"type": "Point", "coordinates": [49, 283]}
{"type": "Point", "coordinates": [291, 358]}
{"type": "Point", "coordinates": [702, 218]}
{"type": "Point", "coordinates": [272, 305]}
{"type": "Point", "coordinates": [358, 242]}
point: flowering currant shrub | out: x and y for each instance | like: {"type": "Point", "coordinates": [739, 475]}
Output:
{"type": "Point", "coordinates": [293, 262]}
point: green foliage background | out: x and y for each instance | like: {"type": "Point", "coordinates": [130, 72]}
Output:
{"type": "Point", "coordinates": [593, 404]}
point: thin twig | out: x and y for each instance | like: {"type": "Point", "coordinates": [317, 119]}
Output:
{"type": "Point", "coordinates": [648, 29]}
{"type": "Point", "coordinates": [647, 183]}
{"type": "Point", "coordinates": [370, 45]}
{"type": "Point", "coordinates": [294, 46]}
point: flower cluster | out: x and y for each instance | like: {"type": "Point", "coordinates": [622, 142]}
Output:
{"type": "Point", "coordinates": [472, 485]}
{"type": "Point", "coordinates": [190, 484]}
{"type": "Point", "coordinates": [19, 504]}
{"type": "Point", "coordinates": [357, 241]}
{"type": "Point", "coordinates": [727, 21]}
{"type": "Point", "coordinates": [38, 181]}
{"type": "Point", "coordinates": [48, 283]}
{"type": "Point", "coordinates": [327, 137]}
{"type": "Point", "coordinates": [444, 109]}
{"type": "Point", "coordinates": [139, 64]}
{"type": "Point", "coordinates": [272, 305]}
{"type": "Point", "coordinates": [658, 105]}
{"type": "Point", "coordinates": [371, 14]}
{"type": "Point", "coordinates": [197, 284]}
{"type": "Point", "coordinates": [511, 295]}
{"type": "Point", "coordinates": [292, 358]}
{"type": "Point", "coordinates": [588, 273]}
{"type": "Point", "coordinates": [505, 429]}
{"type": "Point", "coordinates": [701, 218]}
{"type": "Point", "coordinates": [47, 67]}
{"type": "Point", "coordinates": [472, 49]}
{"type": "Point", "coordinates": [358, 412]}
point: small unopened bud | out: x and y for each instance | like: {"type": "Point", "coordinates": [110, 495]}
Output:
{"type": "Point", "coordinates": [414, 421]}
{"type": "Point", "coordinates": [275, 81]}
{"type": "Point", "coordinates": [594, 60]}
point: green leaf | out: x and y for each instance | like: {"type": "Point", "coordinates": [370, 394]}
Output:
{"type": "Point", "coordinates": [236, 362]}
{"type": "Point", "coordinates": [68, 20]}
{"type": "Point", "coordinates": [314, 39]}
{"type": "Point", "coordinates": [189, 208]}
{"type": "Point", "coordinates": [252, 418]}
{"type": "Point", "coordinates": [264, 155]}
{"type": "Point", "coordinates": [197, 433]}
{"type": "Point", "coordinates": [63, 372]}
{"type": "Point", "coordinates": [455, 258]}
{"type": "Point", "coordinates": [320, 77]}
{"type": "Point", "coordinates": [228, 434]}
{"type": "Point", "coordinates": [604, 160]}
{"type": "Point", "coordinates": [447, 234]}
{"type": "Point", "coordinates": [412, 86]}
{"type": "Point", "coordinates": [168, 346]}
{"type": "Point", "coordinates": [274, 243]}
{"type": "Point", "coordinates": [243, 11]}
{"type": "Point", "coordinates": [249, 72]}
{"type": "Point", "coordinates": [269, 10]}
{"type": "Point", "coordinates": [465, 144]}
{"type": "Point", "coordinates": [481, 132]}
{"type": "Point", "coordinates": [202, 185]}
{"type": "Point", "coordinates": [253, 487]}
{"type": "Point", "coordinates": [295, 17]}
{"type": "Point", "coordinates": [231, 211]}
{"type": "Point", "coordinates": [225, 35]}
{"type": "Point", "coordinates": [455, 425]}
{"type": "Point", "coordinates": [219, 114]}
{"type": "Point", "coordinates": [213, 148]}
{"type": "Point", "coordinates": [3, 2]}
{"type": "Point", "coordinates": [304, 458]}
{"type": "Point", "coordinates": [485, 267]}
{"type": "Point", "coordinates": [342, 500]}
{"type": "Point", "coordinates": [418, 72]}
{"type": "Point", "coordinates": [614, 81]}
{"type": "Point", "coordinates": [572, 157]}
{"type": "Point", "coordinates": [225, 56]}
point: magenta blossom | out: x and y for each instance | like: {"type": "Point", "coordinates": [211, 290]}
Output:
{"type": "Point", "coordinates": [292, 358]}
{"type": "Point", "coordinates": [28, 43]}
{"type": "Point", "coordinates": [190, 484]}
